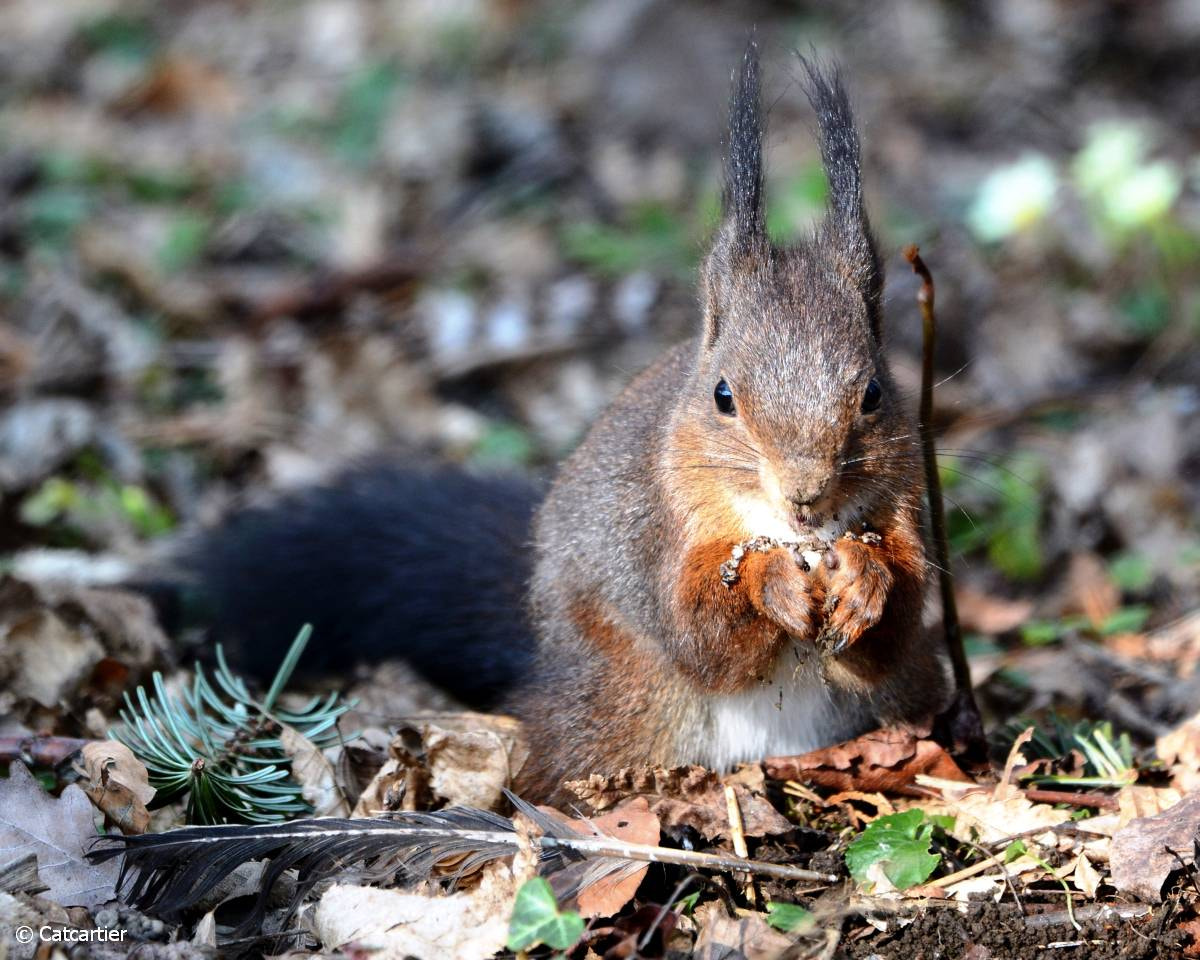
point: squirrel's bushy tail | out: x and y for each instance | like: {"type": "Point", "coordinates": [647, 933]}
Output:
{"type": "Point", "coordinates": [427, 565]}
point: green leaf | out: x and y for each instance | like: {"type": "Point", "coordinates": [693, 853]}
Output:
{"type": "Point", "coordinates": [1131, 571]}
{"type": "Point", "coordinates": [1016, 551]}
{"type": "Point", "coordinates": [687, 904]}
{"type": "Point", "coordinates": [504, 445]}
{"type": "Point", "coordinates": [898, 842]}
{"type": "Point", "coordinates": [536, 919]}
{"type": "Point", "coordinates": [362, 109]}
{"type": "Point", "coordinates": [52, 214]}
{"type": "Point", "coordinates": [50, 501]}
{"type": "Point", "coordinates": [1014, 850]}
{"type": "Point", "coordinates": [184, 243]}
{"type": "Point", "coordinates": [1146, 311]}
{"type": "Point", "coordinates": [1041, 633]}
{"type": "Point", "coordinates": [789, 917]}
{"type": "Point", "coordinates": [149, 517]}
{"type": "Point", "coordinates": [1125, 620]}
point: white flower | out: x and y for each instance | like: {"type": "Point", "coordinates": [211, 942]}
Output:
{"type": "Point", "coordinates": [1113, 151]}
{"type": "Point", "coordinates": [1111, 169]}
{"type": "Point", "coordinates": [1013, 198]}
{"type": "Point", "coordinates": [1145, 196]}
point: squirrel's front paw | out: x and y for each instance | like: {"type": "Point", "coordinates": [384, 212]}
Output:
{"type": "Point", "coordinates": [857, 582]}
{"type": "Point", "coordinates": [785, 593]}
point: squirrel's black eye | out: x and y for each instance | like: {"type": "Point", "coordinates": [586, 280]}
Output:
{"type": "Point", "coordinates": [872, 397]}
{"type": "Point", "coordinates": [724, 397]}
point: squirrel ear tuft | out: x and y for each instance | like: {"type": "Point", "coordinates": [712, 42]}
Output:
{"type": "Point", "coordinates": [743, 229]}
{"type": "Point", "coordinates": [841, 156]}
{"type": "Point", "coordinates": [742, 202]}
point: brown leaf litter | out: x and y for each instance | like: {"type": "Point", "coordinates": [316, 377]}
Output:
{"type": "Point", "coordinates": [118, 784]}
{"type": "Point", "coordinates": [689, 796]}
{"type": "Point", "coordinates": [881, 761]}
{"type": "Point", "coordinates": [462, 759]}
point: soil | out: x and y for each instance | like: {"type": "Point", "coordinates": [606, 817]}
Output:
{"type": "Point", "coordinates": [1001, 932]}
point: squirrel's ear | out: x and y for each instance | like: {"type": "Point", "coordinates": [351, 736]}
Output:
{"type": "Point", "coordinates": [846, 226]}
{"type": "Point", "coordinates": [743, 230]}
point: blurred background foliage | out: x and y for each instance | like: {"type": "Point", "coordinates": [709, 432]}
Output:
{"type": "Point", "coordinates": [244, 242]}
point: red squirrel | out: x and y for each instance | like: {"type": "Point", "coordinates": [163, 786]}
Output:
{"type": "Point", "coordinates": [670, 618]}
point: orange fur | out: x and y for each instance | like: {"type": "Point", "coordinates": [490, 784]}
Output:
{"type": "Point", "coordinates": [737, 630]}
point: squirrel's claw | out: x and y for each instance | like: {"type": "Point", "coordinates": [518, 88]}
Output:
{"type": "Point", "coordinates": [857, 586]}
{"type": "Point", "coordinates": [832, 643]}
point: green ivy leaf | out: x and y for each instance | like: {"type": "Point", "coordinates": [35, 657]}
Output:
{"type": "Point", "coordinates": [788, 917]}
{"type": "Point", "coordinates": [537, 919]}
{"type": "Point", "coordinates": [898, 842]}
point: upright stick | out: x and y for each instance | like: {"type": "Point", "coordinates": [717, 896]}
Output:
{"type": "Point", "coordinates": [961, 721]}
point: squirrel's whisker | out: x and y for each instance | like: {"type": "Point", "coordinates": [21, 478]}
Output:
{"type": "Point", "coordinates": [953, 375]}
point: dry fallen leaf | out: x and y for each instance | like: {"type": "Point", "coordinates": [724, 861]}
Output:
{"type": "Point", "coordinates": [314, 773]}
{"type": "Point", "coordinates": [881, 761]}
{"type": "Point", "coordinates": [388, 791]}
{"type": "Point", "coordinates": [1090, 590]}
{"type": "Point", "coordinates": [1192, 929]}
{"type": "Point", "coordinates": [986, 613]}
{"type": "Point", "coordinates": [395, 924]}
{"type": "Point", "coordinates": [118, 784]}
{"type": "Point", "coordinates": [1136, 801]}
{"type": "Point", "coordinates": [1180, 751]}
{"type": "Point", "coordinates": [42, 657]}
{"type": "Point", "coordinates": [1145, 851]}
{"type": "Point", "coordinates": [685, 797]}
{"type": "Point", "coordinates": [723, 937]}
{"type": "Point", "coordinates": [472, 757]}
{"type": "Point", "coordinates": [456, 759]}
{"type": "Point", "coordinates": [989, 816]}
{"type": "Point", "coordinates": [180, 84]}
{"type": "Point", "coordinates": [53, 636]}
{"type": "Point", "coordinates": [633, 822]}
{"type": "Point", "coordinates": [57, 830]}
{"type": "Point", "coordinates": [1086, 878]}
{"type": "Point", "coordinates": [988, 884]}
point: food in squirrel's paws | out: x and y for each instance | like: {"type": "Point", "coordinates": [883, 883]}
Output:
{"type": "Point", "coordinates": [834, 636]}
{"type": "Point", "coordinates": [808, 552]}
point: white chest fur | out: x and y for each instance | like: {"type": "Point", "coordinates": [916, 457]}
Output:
{"type": "Point", "coordinates": [793, 712]}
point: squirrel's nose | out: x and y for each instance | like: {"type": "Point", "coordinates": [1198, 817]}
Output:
{"type": "Point", "coordinates": [807, 484]}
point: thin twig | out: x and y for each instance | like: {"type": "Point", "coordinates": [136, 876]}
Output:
{"type": "Point", "coordinates": [667, 906]}
{"type": "Point", "coordinates": [649, 853]}
{"type": "Point", "coordinates": [1100, 801]}
{"type": "Point", "coordinates": [737, 835]}
{"type": "Point", "coordinates": [966, 725]}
